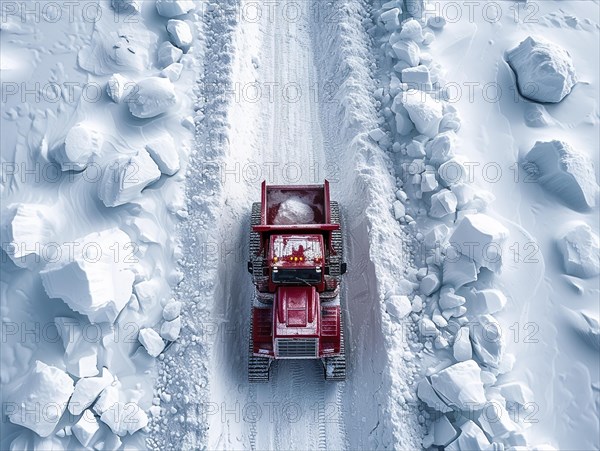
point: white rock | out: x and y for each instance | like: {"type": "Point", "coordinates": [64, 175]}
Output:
{"type": "Point", "coordinates": [399, 210]}
{"type": "Point", "coordinates": [417, 78]}
{"type": "Point", "coordinates": [82, 143]}
{"type": "Point", "coordinates": [87, 390]}
{"type": "Point", "coordinates": [174, 8]}
{"type": "Point", "coordinates": [411, 29]}
{"type": "Point", "coordinates": [164, 154]}
{"type": "Point", "coordinates": [403, 123]}
{"type": "Point", "coordinates": [496, 421]}
{"type": "Point", "coordinates": [430, 284]}
{"type": "Point", "coordinates": [85, 429]}
{"type": "Point", "coordinates": [516, 392]}
{"type": "Point", "coordinates": [443, 203]}
{"type": "Point", "coordinates": [441, 148]}
{"type": "Point", "coordinates": [480, 238]}
{"type": "Point", "coordinates": [124, 418]}
{"type": "Point", "coordinates": [169, 330]}
{"type": "Point", "coordinates": [152, 96]}
{"type": "Point", "coordinates": [108, 398]}
{"type": "Point", "coordinates": [459, 271]}
{"type": "Point", "coordinates": [81, 353]}
{"type": "Point", "coordinates": [580, 249]}
{"type": "Point", "coordinates": [180, 34]}
{"type": "Point", "coordinates": [545, 71]}
{"type": "Point", "coordinates": [437, 22]}
{"type": "Point", "coordinates": [488, 341]}
{"type": "Point", "coordinates": [427, 328]}
{"type": "Point", "coordinates": [172, 72]}
{"type": "Point", "coordinates": [427, 394]}
{"type": "Point", "coordinates": [424, 111]}
{"type": "Point", "coordinates": [294, 210]}
{"type": "Point", "coordinates": [415, 149]}
{"type": "Point", "coordinates": [26, 231]}
{"type": "Point", "coordinates": [151, 340]}
{"type": "Point", "coordinates": [118, 88]}
{"type": "Point", "coordinates": [488, 301]}
{"type": "Point", "coordinates": [127, 6]}
{"type": "Point", "coordinates": [562, 170]}
{"type": "Point", "coordinates": [172, 310]}
{"type": "Point", "coordinates": [470, 438]}
{"type": "Point", "coordinates": [436, 237]}
{"type": "Point", "coordinates": [398, 306]}
{"type": "Point", "coordinates": [408, 52]}
{"type": "Point", "coordinates": [377, 134]}
{"type": "Point", "coordinates": [461, 349]}
{"type": "Point", "coordinates": [391, 19]}
{"type": "Point", "coordinates": [449, 299]}
{"type": "Point", "coordinates": [126, 177]}
{"type": "Point", "coordinates": [460, 385]}
{"type": "Point", "coordinates": [428, 182]}
{"type": "Point", "coordinates": [453, 172]}
{"type": "Point", "coordinates": [90, 280]}
{"type": "Point", "coordinates": [443, 431]}
{"type": "Point", "coordinates": [168, 54]}
{"type": "Point", "coordinates": [42, 387]}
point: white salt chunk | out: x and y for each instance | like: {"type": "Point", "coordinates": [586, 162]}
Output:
{"type": "Point", "coordinates": [428, 182]}
{"type": "Point", "coordinates": [496, 421]}
{"type": "Point", "coordinates": [488, 341]}
{"type": "Point", "coordinates": [81, 354]}
{"type": "Point", "coordinates": [151, 340]}
{"type": "Point", "coordinates": [180, 33]}
{"type": "Point", "coordinates": [415, 149]}
{"type": "Point", "coordinates": [408, 52]}
{"type": "Point", "coordinates": [399, 210]}
{"type": "Point", "coordinates": [460, 385]}
{"type": "Point", "coordinates": [172, 71]}
{"type": "Point", "coordinates": [43, 386]}
{"type": "Point", "coordinates": [164, 153]}
{"type": "Point", "coordinates": [459, 271]}
{"type": "Point", "coordinates": [168, 54]}
{"type": "Point", "coordinates": [92, 282]}
{"type": "Point", "coordinates": [430, 284]}
{"type": "Point", "coordinates": [441, 148]}
{"type": "Point", "coordinates": [411, 29]}
{"type": "Point", "coordinates": [480, 238]}
{"type": "Point", "coordinates": [545, 71]}
{"type": "Point", "coordinates": [427, 394]}
{"type": "Point", "coordinates": [118, 87]}
{"type": "Point", "coordinates": [172, 310]}
{"type": "Point", "coordinates": [391, 19]}
{"type": "Point", "coordinates": [85, 429]}
{"type": "Point", "coordinates": [489, 301]}
{"type": "Point", "coordinates": [174, 8]}
{"type": "Point", "coordinates": [87, 390]}
{"type": "Point", "coordinates": [516, 392]}
{"type": "Point", "coordinates": [417, 78]}
{"type": "Point", "coordinates": [565, 172]}
{"type": "Point", "coordinates": [81, 144]}
{"type": "Point", "coordinates": [169, 330]}
{"type": "Point", "coordinates": [443, 431]}
{"type": "Point", "coordinates": [580, 249]}
{"type": "Point", "coordinates": [152, 96]}
{"type": "Point", "coordinates": [126, 177]}
{"type": "Point", "coordinates": [461, 349]}
{"type": "Point", "coordinates": [294, 211]}
{"type": "Point", "coordinates": [443, 203]}
{"type": "Point", "coordinates": [108, 398]}
{"type": "Point", "coordinates": [398, 306]}
{"type": "Point", "coordinates": [471, 438]}
{"type": "Point", "coordinates": [26, 229]}
{"type": "Point", "coordinates": [448, 299]}
{"type": "Point", "coordinates": [424, 111]}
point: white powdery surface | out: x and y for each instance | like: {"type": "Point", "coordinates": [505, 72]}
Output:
{"type": "Point", "coordinates": [562, 170]}
{"type": "Point", "coordinates": [480, 238]}
{"type": "Point", "coordinates": [152, 96]}
{"type": "Point", "coordinates": [44, 386]}
{"type": "Point", "coordinates": [460, 385]}
{"type": "Point", "coordinates": [545, 71]}
{"type": "Point", "coordinates": [580, 249]}
{"type": "Point", "coordinates": [25, 229]}
{"type": "Point", "coordinates": [94, 279]}
{"type": "Point", "coordinates": [294, 211]}
{"type": "Point", "coordinates": [424, 111]}
{"type": "Point", "coordinates": [126, 177]}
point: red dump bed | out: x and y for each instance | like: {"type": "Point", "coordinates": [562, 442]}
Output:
{"type": "Point", "coordinates": [315, 196]}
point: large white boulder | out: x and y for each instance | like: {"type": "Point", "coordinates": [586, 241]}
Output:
{"type": "Point", "coordinates": [118, 87]}
{"type": "Point", "coordinates": [91, 278]}
{"type": "Point", "coordinates": [424, 111]}
{"type": "Point", "coordinates": [441, 148]}
{"type": "Point", "coordinates": [126, 177]}
{"type": "Point", "coordinates": [294, 211]}
{"type": "Point", "coordinates": [40, 401]}
{"type": "Point", "coordinates": [82, 142]}
{"type": "Point", "coordinates": [471, 438]}
{"type": "Point", "coordinates": [398, 306]}
{"type": "Point", "coordinates": [151, 340]}
{"type": "Point", "coordinates": [81, 352]}
{"type": "Point", "coordinates": [443, 203]}
{"type": "Point", "coordinates": [86, 391]}
{"type": "Point", "coordinates": [544, 71]}
{"type": "Point", "coordinates": [151, 97]}
{"type": "Point", "coordinates": [391, 19]}
{"type": "Point", "coordinates": [25, 232]}
{"type": "Point", "coordinates": [488, 300]}
{"type": "Point", "coordinates": [461, 349]}
{"type": "Point", "coordinates": [480, 238]}
{"type": "Point", "coordinates": [427, 394]}
{"type": "Point", "coordinates": [488, 341]}
{"type": "Point", "coordinates": [459, 270]}
{"type": "Point", "coordinates": [163, 152]}
{"type": "Point", "coordinates": [562, 170]}
{"type": "Point", "coordinates": [174, 8]}
{"type": "Point", "coordinates": [460, 385]}
{"type": "Point", "coordinates": [180, 33]}
{"type": "Point", "coordinates": [168, 54]}
{"type": "Point", "coordinates": [169, 330]}
{"type": "Point", "coordinates": [407, 51]}
{"type": "Point", "coordinates": [85, 428]}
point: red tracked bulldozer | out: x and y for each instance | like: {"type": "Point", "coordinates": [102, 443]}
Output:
{"type": "Point", "coordinates": [296, 263]}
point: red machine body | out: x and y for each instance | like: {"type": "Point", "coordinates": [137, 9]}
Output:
{"type": "Point", "coordinates": [296, 269]}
